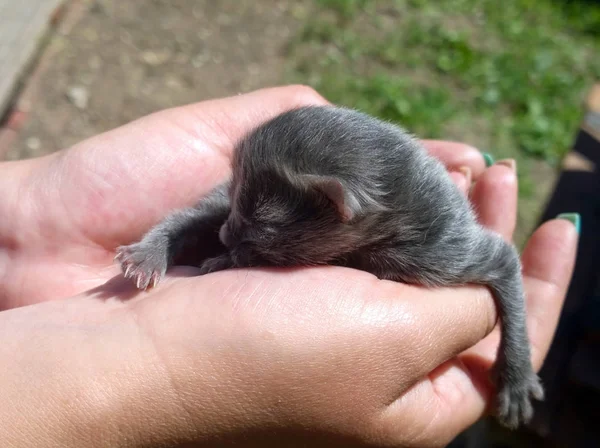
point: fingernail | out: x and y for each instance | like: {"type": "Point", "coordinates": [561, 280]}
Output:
{"type": "Point", "coordinates": [510, 163]}
{"type": "Point", "coordinates": [489, 160]}
{"type": "Point", "coordinates": [466, 171]}
{"type": "Point", "coordinates": [575, 218]}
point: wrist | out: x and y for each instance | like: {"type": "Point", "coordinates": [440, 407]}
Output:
{"type": "Point", "coordinates": [77, 374]}
{"type": "Point", "coordinates": [96, 370]}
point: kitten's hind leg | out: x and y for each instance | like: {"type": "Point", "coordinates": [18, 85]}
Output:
{"type": "Point", "coordinates": [500, 269]}
{"type": "Point", "coordinates": [187, 236]}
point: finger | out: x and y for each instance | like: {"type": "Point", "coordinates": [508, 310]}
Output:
{"type": "Point", "coordinates": [448, 321]}
{"type": "Point", "coordinates": [459, 390]}
{"type": "Point", "coordinates": [462, 179]}
{"type": "Point", "coordinates": [449, 395]}
{"type": "Point", "coordinates": [548, 262]}
{"type": "Point", "coordinates": [438, 407]}
{"type": "Point", "coordinates": [196, 137]}
{"type": "Point", "coordinates": [225, 121]}
{"type": "Point", "coordinates": [456, 155]}
{"type": "Point", "coordinates": [494, 199]}
{"type": "Point", "coordinates": [547, 266]}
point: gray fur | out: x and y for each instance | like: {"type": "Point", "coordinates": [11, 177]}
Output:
{"type": "Point", "coordinates": [328, 185]}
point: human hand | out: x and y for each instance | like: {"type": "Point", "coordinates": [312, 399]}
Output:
{"type": "Point", "coordinates": [70, 210]}
{"type": "Point", "coordinates": [67, 212]}
{"type": "Point", "coordinates": [328, 353]}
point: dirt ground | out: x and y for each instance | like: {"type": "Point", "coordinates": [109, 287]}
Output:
{"type": "Point", "coordinates": [108, 62]}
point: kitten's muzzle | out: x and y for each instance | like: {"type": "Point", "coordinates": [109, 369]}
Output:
{"type": "Point", "coordinates": [238, 250]}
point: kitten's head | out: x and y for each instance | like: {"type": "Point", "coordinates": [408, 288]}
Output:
{"type": "Point", "coordinates": [290, 220]}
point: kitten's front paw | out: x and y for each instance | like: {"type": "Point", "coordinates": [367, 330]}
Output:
{"type": "Point", "coordinates": [144, 263]}
{"type": "Point", "coordinates": [215, 264]}
{"type": "Point", "coordinates": [514, 405]}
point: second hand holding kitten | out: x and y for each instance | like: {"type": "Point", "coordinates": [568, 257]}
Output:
{"type": "Point", "coordinates": [328, 185]}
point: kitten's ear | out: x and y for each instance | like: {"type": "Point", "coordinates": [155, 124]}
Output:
{"type": "Point", "coordinates": [335, 192]}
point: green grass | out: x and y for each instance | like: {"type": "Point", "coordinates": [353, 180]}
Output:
{"type": "Point", "coordinates": [509, 74]}
{"type": "Point", "coordinates": [506, 76]}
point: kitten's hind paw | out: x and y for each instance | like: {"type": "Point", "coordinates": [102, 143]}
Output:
{"type": "Point", "coordinates": [514, 405]}
{"type": "Point", "coordinates": [145, 264]}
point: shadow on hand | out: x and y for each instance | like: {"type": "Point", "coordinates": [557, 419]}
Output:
{"type": "Point", "coordinates": [123, 289]}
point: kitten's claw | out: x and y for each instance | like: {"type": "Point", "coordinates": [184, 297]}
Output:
{"type": "Point", "coordinates": [514, 405]}
{"type": "Point", "coordinates": [144, 264]}
{"type": "Point", "coordinates": [154, 280]}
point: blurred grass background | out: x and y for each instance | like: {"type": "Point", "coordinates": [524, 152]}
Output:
{"type": "Point", "coordinates": [515, 69]}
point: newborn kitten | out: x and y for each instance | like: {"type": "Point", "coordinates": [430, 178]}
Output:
{"type": "Point", "coordinates": [328, 185]}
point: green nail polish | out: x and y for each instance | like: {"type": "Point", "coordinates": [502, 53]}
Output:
{"type": "Point", "coordinates": [489, 160]}
{"type": "Point", "coordinates": [575, 218]}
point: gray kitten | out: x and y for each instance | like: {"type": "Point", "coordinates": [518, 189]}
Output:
{"type": "Point", "coordinates": [328, 185]}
